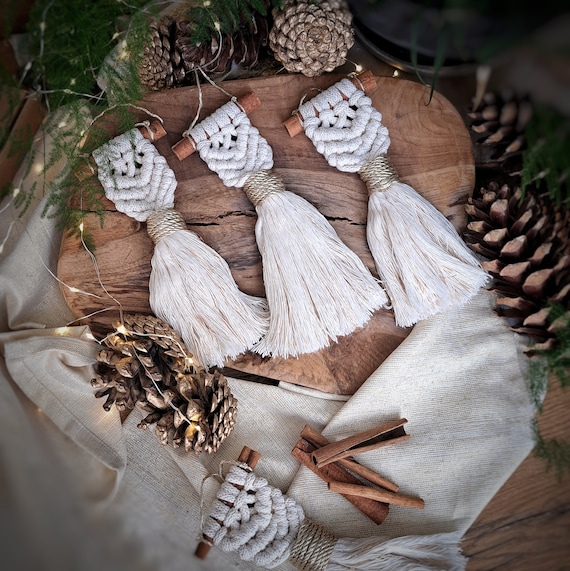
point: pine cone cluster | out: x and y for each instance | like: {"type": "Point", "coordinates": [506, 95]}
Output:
{"type": "Point", "coordinates": [171, 55]}
{"type": "Point", "coordinates": [145, 363]}
{"type": "Point", "coordinates": [527, 246]}
{"type": "Point", "coordinates": [497, 127]}
{"type": "Point", "coordinates": [311, 37]}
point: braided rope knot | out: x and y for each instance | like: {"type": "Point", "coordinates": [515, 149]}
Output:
{"type": "Point", "coordinates": [261, 184]}
{"type": "Point", "coordinates": [134, 175]}
{"type": "Point", "coordinates": [344, 126]}
{"type": "Point", "coordinates": [230, 145]}
{"type": "Point", "coordinates": [313, 547]}
{"type": "Point", "coordinates": [162, 223]}
{"type": "Point", "coordinates": [378, 174]}
{"type": "Point", "coordinates": [253, 519]}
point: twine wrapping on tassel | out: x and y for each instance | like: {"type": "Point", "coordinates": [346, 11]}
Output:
{"type": "Point", "coordinates": [260, 524]}
{"type": "Point", "coordinates": [191, 286]}
{"type": "Point", "coordinates": [317, 288]}
{"type": "Point", "coordinates": [420, 257]}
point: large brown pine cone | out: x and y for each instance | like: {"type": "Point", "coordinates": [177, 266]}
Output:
{"type": "Point", "coordinates": [145, 363]}
{"type": "Point", "coordinates": [497, 128]}
{"type": "Point", "coordinates": [527, 246]}
{"type": "Point", "coordinates": [311, 37]}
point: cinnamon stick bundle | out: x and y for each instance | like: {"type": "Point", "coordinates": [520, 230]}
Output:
{"type": "Point", "coordinates": [318, 441]}
{"type": "Point", "coordinates": [375, 510]}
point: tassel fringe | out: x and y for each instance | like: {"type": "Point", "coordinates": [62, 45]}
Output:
{"type": "Point", "coordinates": [437, 552]}
{"type": "Point", "coordinates": [192, 289]}
{"type": "Point", "coordinates": [424, 264]}
{"type": "Point", "coordinates": [316, 287]}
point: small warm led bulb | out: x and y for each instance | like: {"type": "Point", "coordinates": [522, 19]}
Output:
{"type": "Point", "coordinates": [396, 73]}
{"type": "Point", "coordinates": [121, 329]}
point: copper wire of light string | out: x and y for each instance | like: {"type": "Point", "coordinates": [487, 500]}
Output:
{"type": "Point", "coordinates": [261, 184]}
{"type": "Point", "coordinates": [162, 223]}
{"type": "Point", "coordinates": [378, 174]}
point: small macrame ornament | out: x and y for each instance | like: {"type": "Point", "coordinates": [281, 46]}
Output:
{"type": "Point", "coordinates": [423, 262]}
{"type": "Point", "coordinates": [317, 288]}
{"type": "Point", "coordinates": [260, 524]}
{"type": "Point", "coordinates": [191, 286]}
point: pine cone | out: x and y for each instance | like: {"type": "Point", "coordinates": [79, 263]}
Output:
{"type": "Point", "coordinates": [497, 128]}
{"type": "Point", "coordinates": [527, 246]}
{"type": "Point", "coordinates": [217, 55]}
{"type": "Point", "coordinates": [145, 363]}
{"type": "Point", "coordinates": [161, 66]}
{"type": "Point", "coordinates": [311, 37]}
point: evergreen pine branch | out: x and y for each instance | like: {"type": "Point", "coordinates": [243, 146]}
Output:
{"type": "Point", "coordinates": [547, 156]}
{"type": "Point", "coordinates": [555, 362]}
{"type": "Point", "coordinates": [224, 16]}
{"type": "Point", "coordinates": [554, 452]}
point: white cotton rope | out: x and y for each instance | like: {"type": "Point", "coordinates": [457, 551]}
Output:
{"type": "Point", "coordinates": [191, 286]}
{"type": "Point", "coordinates": [256, 521]}
{"type": "Point", "coordinates": [316, 287]}
{"type": "Point", "coordinates": [424, 264]}
{"type": "Point", "coordinates": [135, 176]}
{"type": "Point", "coordinates": [259, 524]}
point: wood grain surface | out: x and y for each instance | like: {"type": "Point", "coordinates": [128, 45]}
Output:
{"type": "Point", "coordinates": [430, 149]}
{"type": "Point", "coordinates": [526, 526]}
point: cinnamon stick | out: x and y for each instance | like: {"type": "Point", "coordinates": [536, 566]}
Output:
{"type": "Point", "coordinates": [377, 437]}
{"type": "Point", "coordinates": [377, 511]}
{"type": "Point", "coordinates": [318, 440]}
{"type": "Point", "coordinates": [364, 80]}
{"type": "Point", "coordinates": [357, 490]}
{"type": "Point", "coordinates": [249, 457]}
{"type": "Point", "coordinates": [184, 148]}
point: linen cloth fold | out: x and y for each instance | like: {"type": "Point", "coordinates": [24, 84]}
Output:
{"type": "Point", "coordinates": [84, 491]}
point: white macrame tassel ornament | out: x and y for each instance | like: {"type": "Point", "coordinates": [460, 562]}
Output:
{"type": "Point", "coordinates": [317, 288]}
{"type": "Point", "coordinates": [257, 522]}
{"type": "Point", "coordinates": [191, 285]}
{"type": "Point", "coordinates": [422, 261]}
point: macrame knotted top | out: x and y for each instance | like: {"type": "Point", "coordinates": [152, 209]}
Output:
{"type": "Point", "coordinates": [253, 519]}
{"type": "Point", "coordinates": [134, 175]}
{"type": "Point", "coordinates": [230, 145]}
{"type": "Point", "coordinates": [344, 126]}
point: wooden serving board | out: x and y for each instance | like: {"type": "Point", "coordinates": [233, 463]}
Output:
{"type": "Point", "coordinates": [430, 149]}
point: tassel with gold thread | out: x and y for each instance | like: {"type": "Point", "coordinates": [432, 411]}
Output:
{"type": "Point", "coordinates": [423, 262]}
{"type": "Point", "coordinates": [191, 286]}
{"type": "Point", "coordinates": [317, 288]}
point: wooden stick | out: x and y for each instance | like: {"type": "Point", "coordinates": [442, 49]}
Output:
{"type": "Point", "coordinates": [184, 148]}
{"type": "Point", "coordinates": [249, 457]}
{"type": "Point", "coordinates": [364, 80]}
{"type": "Point", "coordinates": [318, 440]}
{"type": "Point", "coordinates": [377, 437]}
{"type": "Point", "coordinates": [153, 132]}
{"type": "Point", "coordinates": [375, 510]}
{"type": "Point", "coordinates": [357, 490]}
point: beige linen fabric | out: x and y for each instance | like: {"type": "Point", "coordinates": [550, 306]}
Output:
{"type": "Point", "coordinates": [84, 492]}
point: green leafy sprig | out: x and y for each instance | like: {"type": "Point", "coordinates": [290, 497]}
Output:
{"type": "Point", "coordinates": [224, 16]}
{"type": "Point", "coordinates": [552, 363]}
{"type": "Point", "coordinates": [547, 156]}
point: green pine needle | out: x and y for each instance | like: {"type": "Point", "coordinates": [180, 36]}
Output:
{"type": "Point", "coordinates": [547, 157]}
{"type": "Point", "coordinates": [554, 453]}
{"type": "Point", "coordinates": [225, 16]}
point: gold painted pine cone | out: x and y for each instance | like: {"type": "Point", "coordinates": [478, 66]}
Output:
{"type": "Point", "coordinates": [144, 363]}
{"type": "Point", "coordinates": [311, 37]}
